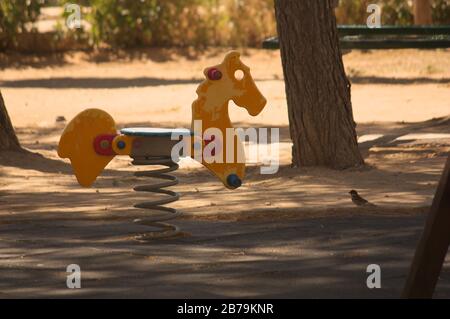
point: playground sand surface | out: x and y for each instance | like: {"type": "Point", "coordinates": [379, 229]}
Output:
{"type": "Point", "coordinates": [290, 234]}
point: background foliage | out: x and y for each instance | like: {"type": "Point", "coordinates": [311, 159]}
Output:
{"type": "Point", "coordinates": [181, 22]}
{"type": "Point", "coordinates": [130, 23]}
{"type": "Point", "coordinates": [17, 16]}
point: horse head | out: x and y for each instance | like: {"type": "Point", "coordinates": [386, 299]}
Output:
{"type": "Point", "coordinates": [223, 84]}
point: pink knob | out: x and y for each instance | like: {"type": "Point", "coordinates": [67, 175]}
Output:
{"type": "Point", "coordinates": [214, 74]}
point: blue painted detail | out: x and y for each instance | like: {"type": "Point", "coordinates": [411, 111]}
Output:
{"type": "Point", "coordinates": [234, 181]}
{"type": "Point", "coordinates": [121, 145]}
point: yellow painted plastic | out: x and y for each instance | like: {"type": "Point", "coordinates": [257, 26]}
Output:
{"type": "Point", "coordinates": [128, 140]}
{"type": "Point", "coordinates": [211, 107]}
{"type": "Point", "coordinates": [76, 144]}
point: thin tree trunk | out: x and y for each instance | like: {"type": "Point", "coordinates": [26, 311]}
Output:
{"type": "Point", "coordinates": [318, 92]}
{"type": "Point", "coordinates": [422, 12]}
{"type": "Point", "coordinates": [8, 138]}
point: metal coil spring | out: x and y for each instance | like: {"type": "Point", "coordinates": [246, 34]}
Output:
{"type": "Point", "coordinates": [167, 213]}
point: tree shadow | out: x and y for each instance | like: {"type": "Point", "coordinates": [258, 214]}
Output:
{"type": "Point", "coordinates": [94, 83]}
{"type": "Point", "coordinates": [33, 161]}
{"type": "Point", "coordinates": [155, 54]}
{"type": "Point", "coordinates": [391, 131]}
{"type": "Point", "coordinates": [15, 60]}
{"type": "Point", "coordinates": [401, 81]}
{"type": "Point", "coordinates": [99, 83]}
{"type": "Point", "coordinates": [29, 160]}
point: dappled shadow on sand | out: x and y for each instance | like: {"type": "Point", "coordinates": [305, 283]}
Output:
{"type": "Point", "coordinates": [292, 234]}
{"type": "Point", "coordinates": [234, 248]}
{"type": "Point", "coordinates": [317, 257]}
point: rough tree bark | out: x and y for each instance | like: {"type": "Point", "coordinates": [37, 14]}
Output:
{"type": "Point", "coordinates": [422, 12]}
{"type": "Point", "coordinates": [318, 92]}
{"type": "Point", "coordinates": [8, 138]}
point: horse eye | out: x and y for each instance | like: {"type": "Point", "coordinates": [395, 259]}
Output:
{"type": "Point", "coordinates": [214, 74]}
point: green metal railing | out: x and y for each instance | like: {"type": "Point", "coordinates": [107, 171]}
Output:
{"type": "Point", "coordinates": [386, 37]}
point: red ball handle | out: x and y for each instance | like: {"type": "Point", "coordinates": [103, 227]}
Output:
{"type": "Point", "coordinates": [214, 74]}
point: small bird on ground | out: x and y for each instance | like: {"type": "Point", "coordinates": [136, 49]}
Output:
{"type": "Point", "coordinates": [358, 200]}
{"type": "Point", "coordinates": [60, 119]}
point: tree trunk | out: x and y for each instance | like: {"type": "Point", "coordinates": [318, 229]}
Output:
{"type": "Point", "coordinates": [318, 92]}
{"type": "Point", "coordinates": [422, 12]}
{"type": "Point", "coordinates": [8, 138]}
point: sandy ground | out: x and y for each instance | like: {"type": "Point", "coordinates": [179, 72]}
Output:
{"type": "Point", "coordinates": [292, 234]}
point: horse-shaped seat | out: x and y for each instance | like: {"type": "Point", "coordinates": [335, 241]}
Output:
{"type": "Point", "coordinates": [91, 140]}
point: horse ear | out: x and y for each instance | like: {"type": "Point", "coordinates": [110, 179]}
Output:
{"type": "Point", "coordinates": [232, 59]}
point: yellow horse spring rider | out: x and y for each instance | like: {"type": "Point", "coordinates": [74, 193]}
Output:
{"type": "Point", "coordinates": [91, 140]}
